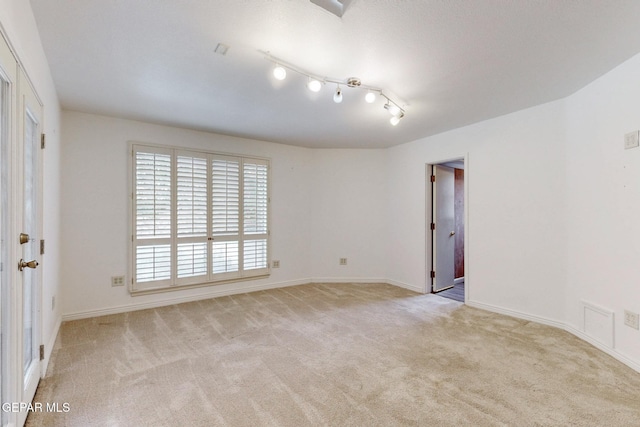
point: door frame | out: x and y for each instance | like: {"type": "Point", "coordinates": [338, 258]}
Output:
{"type": "Point", "coordinates": [11, 304]}
{"type": "Point", "coordinates": [29, 104]}
{"type": "Point", "coordinates": [436, 160]}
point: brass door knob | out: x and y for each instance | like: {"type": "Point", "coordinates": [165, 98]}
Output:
{"type": "Point", "coordinates": [30, 264]}
{"type": "Point", "coordinates": [24, 238]}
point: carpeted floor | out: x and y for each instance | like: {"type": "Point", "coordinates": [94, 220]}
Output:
{"type": "Point", "coordinates": [334, 355]}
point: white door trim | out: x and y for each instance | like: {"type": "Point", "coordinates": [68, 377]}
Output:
{"type": "Point", "coordinates": [435, 160]}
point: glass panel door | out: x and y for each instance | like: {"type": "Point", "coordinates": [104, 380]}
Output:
{"type": "Point", "coordinates": [4, 233]}
{"type": "Point", "coordinates": [8, 68]}
{"type": "Point", "coordinates": [29, 226]}
{"type": "Point", "coordinates": [29, 253]}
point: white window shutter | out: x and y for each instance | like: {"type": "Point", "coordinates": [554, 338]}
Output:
{"type": "Point", "coordinates": [191, 217]}
{"type": "Point", "coordinates": [198, 218]}
{"type": "Point", "coordinates": [152, 204]}
{"type": "Point", "coordinates": [153, 195]}
{"type": "Point", "coordinates": [255, 220]}
{"type": "Point", "coordinates": [225, 182]}
{"type": "Point", "coordinates": [225, 216]}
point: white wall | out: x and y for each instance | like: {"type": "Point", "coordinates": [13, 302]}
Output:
{"type": "Point", "coordinates": [553, 203]}
{"type": "Point", "coordinates": [552, 199]}
{"type": "Point", "coordinates": [95, 200]}
{"type": "Point", "coordinates": [516, 206]}
{"type": "Point", "coordinates": [325, 205]}
{"type": "Point", "coordinates": [348, 215]}
{"type": "Point", "coordinates": [604, 202]}
{"type": "Point", "coordinates": [18, 23]}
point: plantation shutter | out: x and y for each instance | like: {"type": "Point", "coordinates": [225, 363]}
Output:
{"type": "Point", "coordinates": [255, 206]}
{"type": "Point", "coordinates": [191, 216]}
{"type": "Point", "coordinates": [152, 206]}
{"type": "Point", "coordinates": [198, 218]}
{"type": "Point", "coordinates": [225, 218]}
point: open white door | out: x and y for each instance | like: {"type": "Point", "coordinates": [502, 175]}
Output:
{"type": "Point", "coordinates": [20, 230]}
{"type": "Point", "coordinates": [443, 249]}
{"type": "Point", "coordinates": [29, 230]}
{"type": "Point", "coordinates": [8, 85]}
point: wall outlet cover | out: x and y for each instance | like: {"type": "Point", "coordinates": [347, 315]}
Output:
{"type": "Point", "coordinates": [117, 280]}
{"type": "Point", "coordinates": [631, 319]}
{"type": "Point", "coordinates": [631, 140]}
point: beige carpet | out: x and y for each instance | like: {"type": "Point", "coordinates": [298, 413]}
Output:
{"type": "Point", "coordinates": [335, 355]}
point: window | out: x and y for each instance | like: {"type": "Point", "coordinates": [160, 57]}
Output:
{"type": "Point", "coordinates": [198, 218]}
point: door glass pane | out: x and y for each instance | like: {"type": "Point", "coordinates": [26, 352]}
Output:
{"type": "Point", "coordinates": [29, 249]}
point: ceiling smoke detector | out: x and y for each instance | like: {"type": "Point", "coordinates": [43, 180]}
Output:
{"type": "Point", "coordinates": [221, 49]}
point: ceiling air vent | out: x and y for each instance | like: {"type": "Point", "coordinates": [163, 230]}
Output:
{"type": "Point", "coordinates": [337, 7]}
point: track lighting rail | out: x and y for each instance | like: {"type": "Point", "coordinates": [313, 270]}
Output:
{"type": "Point", "coordinates": [315, 83]}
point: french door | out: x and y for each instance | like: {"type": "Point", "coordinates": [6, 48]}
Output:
{"type": "Point", "coordinates": [29, 227]}
{"type": "Point", "coordinates": [8, 84]}
{"type": "Point", "coordinates": [20, 230]}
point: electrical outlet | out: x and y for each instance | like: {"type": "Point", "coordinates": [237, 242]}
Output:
{"type": "Point", "coordinates": [631, 319]}
{"type": "Point", "coordinates": [343, 261]}
{"type": "Point", "coordinates": [276, 264]}
{"type": "Point", "coordinates": [117, 280]}
{"type": "Point", "coordinates": [632, 140]}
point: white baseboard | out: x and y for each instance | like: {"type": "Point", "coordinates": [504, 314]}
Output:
{"type": "Point", "coordinates": [178, 300]}
{"type": "Point", "coordinates": [226, 292]}
{"type": "Point", "coordinates": [413, 288]}
{"type": "Point", "coordinates": [348, 280]}
{"type": "Point", "coordinates": [560, 325]}
{"type": "Point", "coordinates": [611, 352]}
{"type": "Point", "coordinates": [458, 280]}
{"type": "Point", "coordinates": [517, 314]}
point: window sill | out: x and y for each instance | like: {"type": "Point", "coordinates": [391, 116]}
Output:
{"type": "Point", "coordinates": [165, 289]}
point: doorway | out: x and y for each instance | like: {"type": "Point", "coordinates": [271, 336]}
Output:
{"type": "Point", "coordinates": [447, 226]}
{"type": "Point", "coordinates": [20, 232]}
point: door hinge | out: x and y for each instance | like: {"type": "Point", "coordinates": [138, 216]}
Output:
{"type": "Point", "coordinates": [42, 141]}
{"type": "Point", "coordinates": [433, 274]}
{"type": "Point", "coordinates": [41, 351]}
{"type": "Point", "coordinates": [433, 178]}
{"type": "Point", "coordinates": [433, 225]}
{"type": "Point", "coordinates": [42, 247]}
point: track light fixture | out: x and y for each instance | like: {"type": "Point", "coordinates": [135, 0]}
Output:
{"type": "Point", "coordinates": [395, 111]}
{"type": "Point", "coordinates": [370, 97]}
{"type": "Point", "coordinates": [315, 83]}
{"type": "Point", "coordinates": [279, 72]}
{"type": "Point", "coordinates": [392, 108]}
{"type": "Point", "coordinates": [396, 119]}
{"type": "Point", "coordinates": [337, 97]}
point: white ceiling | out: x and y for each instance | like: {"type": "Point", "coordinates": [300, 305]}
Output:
{"type": "Point", "coordinates": [449, 62]}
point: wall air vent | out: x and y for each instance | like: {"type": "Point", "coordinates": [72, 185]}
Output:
{"type": "Point", "coordinates": [337, 7]}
